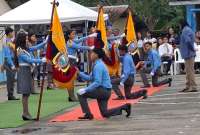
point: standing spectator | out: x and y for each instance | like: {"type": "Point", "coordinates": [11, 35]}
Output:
{"type": "Point", "coordinates": [8, 51]}
{"type": "Point", "coordinates": [32, 41]}
{"type": "Point", "coordinates": [140, 42]}
{"type": "Point", "coordinates": [188, 54]}
{"type": "Point", "coordinates": [166, 53]}
{"type": "Point", "coordinates": [171, 34]}
{"type": "Point", "coordinates": [197, 37]}
{"type": "Point", "coordinates": [73, 45]}
{"type": "Point", "coordinates": [90, 42]}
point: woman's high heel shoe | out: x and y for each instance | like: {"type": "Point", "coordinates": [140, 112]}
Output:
{"type": "Point", "coordinates": [27, 118]}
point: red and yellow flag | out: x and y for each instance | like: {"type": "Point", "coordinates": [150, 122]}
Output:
{"type": "Point", "coordinates": [130, 28]}
{"type": "Point", "coordinates": [111, 61]}
{"type": "Point", "coordinates": [64, 75]}
{"type": "Point", "coordinates": [57, 33]}
{"type": "Point", "coordinates": [101, 26]}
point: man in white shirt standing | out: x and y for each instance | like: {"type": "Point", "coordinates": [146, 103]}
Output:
{"type": "Point", "coordinates": [166, 53]}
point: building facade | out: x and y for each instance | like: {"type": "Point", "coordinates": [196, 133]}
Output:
{"type": "Point", "coordinates": [192, 11]}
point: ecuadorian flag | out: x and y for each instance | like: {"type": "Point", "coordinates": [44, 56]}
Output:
{"type": "Point", "coordinates": [101, 26]}
{"type": "Point", "coordinates": [112, 61]}
{"type": "Point", "coordinates": [131, 35]}
{"type": "Point", "coordinates": [63, 74]}
{"type": "Point", "coordinates": [130, 28]}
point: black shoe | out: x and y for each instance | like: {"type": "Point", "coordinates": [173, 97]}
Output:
{"type": "Point", "coordinates": [13, 98]}
{"type": "Point", "coordinates": [184, 90]}
{"type": "Point", "coordinates": [128, 110]}
{"type": "Point", "coordinates": [193, 90]}
{"type": "Point", "coordinates": [145, 94]}
{"type": "Point", "coordinates": [119, 98]}
{"type": "Point", "coordinates": [170, 82]}
{"type": "Point", "coordinates": [38, 83]}
{"type": "Point", "coordinates": [27, 118]}
{"type": "Point", "coordinates": [146, 86]}
{"type": "Point", "coordinates": [49, 88]}
{"type": "Point", "coordinates": [35, 93]}
{"type": "Point", "coordinates": [72, 100]}
{"type": "Point", "coordinates": [87, 117]}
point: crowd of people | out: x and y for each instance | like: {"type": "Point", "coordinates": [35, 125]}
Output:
{"type": "Point", "coordinates": [24, 56]}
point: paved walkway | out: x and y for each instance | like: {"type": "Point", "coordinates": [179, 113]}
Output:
{"type": "Point", "coordinates": [165, 113]}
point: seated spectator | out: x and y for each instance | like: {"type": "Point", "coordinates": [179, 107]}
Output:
{"type": "Point", "coordinates": [160, 41]}
{"type": "Point", "coordinates": [166, 53]}
{"type": "Point", "coordinates": [173, 37]}
{"type": "Point", "coordinates": [154, 44]}
{"type": "Point", "coordinates": [197, 47]}
{"type": "Point", "coordinates": [148, 37]}
{"type": "Point", "coordinates": [139, 40]}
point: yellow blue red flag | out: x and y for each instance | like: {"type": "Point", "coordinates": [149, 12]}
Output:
{"type": "Point", "coordinates": [63, 74]}
{"type": "Point", "coordinates": [101, 26]}
{"type": "Point", "coordinates": [130, 28]}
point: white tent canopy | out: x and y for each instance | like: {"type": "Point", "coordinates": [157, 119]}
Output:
{"type": "Point", "coordinates": [39, 12]}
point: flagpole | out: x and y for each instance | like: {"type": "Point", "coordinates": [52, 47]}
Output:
{"type": "Point", "coordinates": [44, 68]}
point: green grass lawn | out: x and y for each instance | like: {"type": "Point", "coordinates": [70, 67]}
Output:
{"type": "Point", "coordinates": [53, 101]}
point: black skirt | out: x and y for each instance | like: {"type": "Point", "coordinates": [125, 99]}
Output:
{"type": "Point", "coordinates": [24, 80]}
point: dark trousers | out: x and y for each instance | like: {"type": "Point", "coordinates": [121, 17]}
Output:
{"type": "Point", "coordinates": [155, 81]}
{"type": "Point", "coordinates": [38, 74]}
{"type": "Point", "coordinates": [127, 88]}
{"type": "Point", "coordinates": [102, 96]}
{"type": "Point", "coordinates": [49, 68]}
{"type": "Point", "coordinates": [169, 62]}
{"type": "Point", "coordinates": [10, 75]}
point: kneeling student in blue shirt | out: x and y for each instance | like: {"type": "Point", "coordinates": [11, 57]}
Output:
{"type": "Point", "coordinates": [99, 89]}
{"type": "Point", "coordinates": [127, 78]}
{"type": "Point", "coordinates": [154, 62]}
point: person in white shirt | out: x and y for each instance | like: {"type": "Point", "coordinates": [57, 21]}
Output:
{"type": "Point", "coordinates": [140, 41]}
{"type": "Point", "coordinates": [148, 37]}
{"type": "Point", "coordinates": [166, 53]}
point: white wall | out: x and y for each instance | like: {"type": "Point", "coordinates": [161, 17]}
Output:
{"type": "Point", "coordinates": [3, 7]}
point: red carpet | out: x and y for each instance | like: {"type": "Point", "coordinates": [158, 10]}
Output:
{"type": "Point", "coordinates": [74, 114]}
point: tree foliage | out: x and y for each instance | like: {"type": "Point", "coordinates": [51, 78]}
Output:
{"type": "Point", "coordinates": [157, 14]}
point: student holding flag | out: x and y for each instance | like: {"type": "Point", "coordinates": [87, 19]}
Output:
{"type": "Point", "coordinates": [24, 62]}
{"type": "Point", "coordinates": [77, 44]}
{"type": "Point", "coordinates": [73, 45]}
{"type": "Point", "coordinates": [131, 39]}
{"type": "Point", "coordinates": [126, 81]}
{"type": "Point", "coordinates": [63, 55]}
{"type": "Point", "coordinates": [111, 58]}
{"type": "Point", "coordinates": [34, 52]}
{"type": "Point", "coordinates": [99, 89]}
{"type": "Point", "coordinates": [152, 66]}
